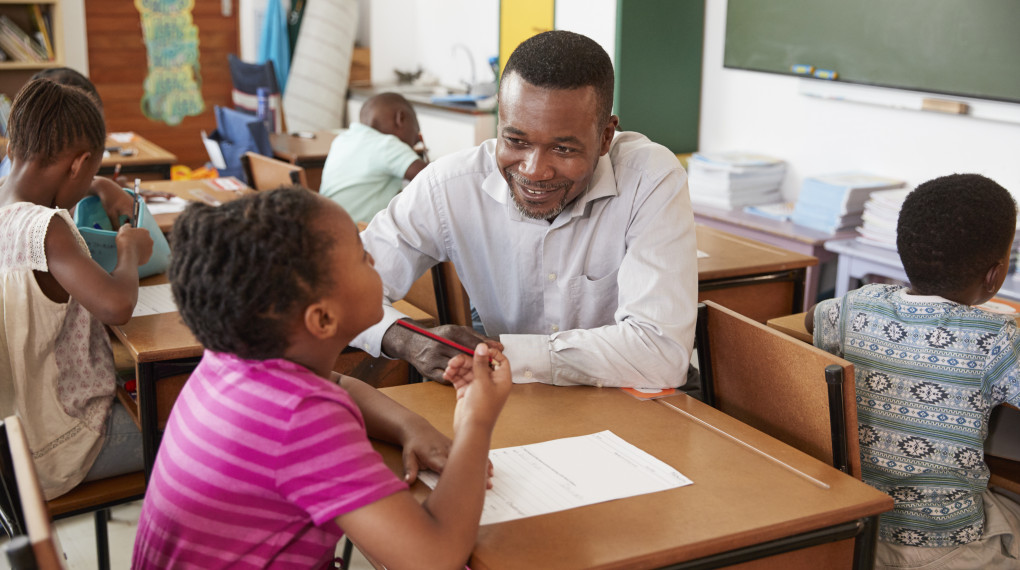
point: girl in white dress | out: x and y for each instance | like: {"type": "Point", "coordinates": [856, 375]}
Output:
{"type": "Point", "coordinates": [56, 365]}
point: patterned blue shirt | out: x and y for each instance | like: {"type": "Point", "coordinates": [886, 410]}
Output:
{"type": "Point", "coordinates": [928, 373]}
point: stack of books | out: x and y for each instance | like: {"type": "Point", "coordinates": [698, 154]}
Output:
{"type": "Point", "coordinates": [881, 212]}
{"type": "Point", "coordinates": [835, 202]}
{"type": "Point", "coordinates": [18, 45]}
{"type": "Point", "coordinates": [734, 179]}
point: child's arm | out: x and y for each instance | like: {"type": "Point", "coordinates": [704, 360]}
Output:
{"type": "Point", "coordinates": [399, 533]}
{"type": "Point", "coordinates": [111, 297]}
{"type": "Point", "coordinates": [116, 202]}
{"type": "Point", "coordinates": [423, 445]}
{"type": "Point", "coordinates": [809, 319]}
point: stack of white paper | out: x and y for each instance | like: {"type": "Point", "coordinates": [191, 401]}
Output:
{"type": "Point", "coordinates": [881, 212]}
{"type": "Point", "coordinates": [734, 179]}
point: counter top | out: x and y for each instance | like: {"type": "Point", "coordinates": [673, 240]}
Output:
{"type": "Point", "coordinates": [417, 95]}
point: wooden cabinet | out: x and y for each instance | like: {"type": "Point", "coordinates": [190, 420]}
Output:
{"type": "Point", "coordinates": [17, 69]}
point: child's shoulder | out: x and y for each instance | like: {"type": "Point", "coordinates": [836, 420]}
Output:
{"type": "Point", "coordinates": [286, 383]}
{"type": "Point", "coordinates": [24, 227]}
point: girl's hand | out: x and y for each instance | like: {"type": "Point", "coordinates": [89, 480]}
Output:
{"type": "Point", "coordinates": [481, 390]}
{"type": "Point", "coordinates": [136, 240]}
{"type": "Point", "coordinates": [116, 202]}
{"type": "Point", "coordinates": [425, 448]}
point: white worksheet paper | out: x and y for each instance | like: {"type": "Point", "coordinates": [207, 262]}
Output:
{"type": "Point", "coordinates": [154, 299]}
{"type": "Point", "coordinates": [562, 474]}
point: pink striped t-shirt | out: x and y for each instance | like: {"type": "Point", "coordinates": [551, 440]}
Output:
{"type": "Point", "coordinates": [258, 459]}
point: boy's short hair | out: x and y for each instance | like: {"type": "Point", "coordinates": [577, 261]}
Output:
{"type": "Point", "coordinates": [952, 229]}
{"type": "Point", "coordinates": [560, 59]}
{"type": "Point", "coordinates": [68, 76]}
{"type": "Point", "coordinates": [49, 117]}
{"type": "Point", "coordinates": [243, 271]}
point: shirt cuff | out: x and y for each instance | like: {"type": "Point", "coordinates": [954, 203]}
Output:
{"type": "Point", "coordinates": [530, 357]}
{"type": "Point", "coordinates": [371, 339]}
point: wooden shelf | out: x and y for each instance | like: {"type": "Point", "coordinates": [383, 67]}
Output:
{"type": "Point", "coordinates": [14, 74]}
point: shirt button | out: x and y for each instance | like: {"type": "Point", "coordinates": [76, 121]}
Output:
{"type": "Point", "coordinates": [528, 374]}
{"type": "Point", "coordinates": [555, 328]}
{"type": "Point", "coordinates": [552, 277]}
{"type": "Point", "coordinates": [598, 383]}
{"type": "Point", "coordinates": [366, 347]}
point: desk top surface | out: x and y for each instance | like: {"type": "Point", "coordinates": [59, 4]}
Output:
{"type": "Point", "coordinates": [734, 256]}
{"type": "Point", "coordinates": [146, 153]}
{"type": "Point", "coordinates": [296, 149]}
{"type": "Point", "coordinates": [784, 229]}
{"type": "Point", "coordinates": [738, 498]}
{"type": "Point", "coordinates": [201, 190]}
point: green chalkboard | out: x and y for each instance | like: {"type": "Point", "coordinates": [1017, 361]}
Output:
{"type": "Point", "coordinates": [967, 48]}
{"type": "Point", "coordinates": [658, 69]}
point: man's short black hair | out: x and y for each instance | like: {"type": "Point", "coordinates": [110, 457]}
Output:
{"type": "Point", "coordinates": [565, 60]}
{"type": "Point", "coordinates": [952, 229]}
{"type": "Point", "coordinates": [241, 273]}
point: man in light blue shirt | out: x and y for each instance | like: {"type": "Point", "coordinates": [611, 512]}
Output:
{"type": "Point", "coordinates": [367, 165]}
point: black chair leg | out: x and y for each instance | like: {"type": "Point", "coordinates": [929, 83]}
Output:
{"type": "Point", "coordinates": [102, 540]}
{"type": "Point", "coordinates": [345, 561]}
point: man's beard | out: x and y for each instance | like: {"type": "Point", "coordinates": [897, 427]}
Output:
{"type": "Point", "coordinates": [524, 209]}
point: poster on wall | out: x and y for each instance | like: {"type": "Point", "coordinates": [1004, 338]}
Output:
{"type": "Point", "coordinates": [172, 84]}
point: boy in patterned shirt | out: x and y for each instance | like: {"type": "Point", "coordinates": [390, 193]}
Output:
{"type": "Point", "coordinates": [929, 369]}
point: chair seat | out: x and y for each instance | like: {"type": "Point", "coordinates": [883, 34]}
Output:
{"type": "Point", "coordinates": [107, 492]}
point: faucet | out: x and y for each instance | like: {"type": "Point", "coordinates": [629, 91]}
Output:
{"type": "Point", "coordinates": [471, 64]}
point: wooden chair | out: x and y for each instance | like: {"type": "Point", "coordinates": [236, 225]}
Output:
{"type": "Point", "coordinates": [91, 497]}
{"type": "Point", "coordinates": [779, 385]}
{"type": "Point", "coordinates": [22, 482]}
{"type": "Point", "coordinates": [265, 173]}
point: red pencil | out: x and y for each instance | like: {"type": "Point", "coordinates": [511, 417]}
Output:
{"type": "Point", "coordinates": [436, 338]}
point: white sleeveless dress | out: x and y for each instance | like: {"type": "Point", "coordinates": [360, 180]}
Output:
{"type": "Point", "coordinates": [56, 364]}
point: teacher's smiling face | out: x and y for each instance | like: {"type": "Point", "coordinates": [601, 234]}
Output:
{"type": "Point", "coordinates": [548, 144]}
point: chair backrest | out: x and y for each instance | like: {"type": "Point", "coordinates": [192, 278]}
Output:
{"type": "Point", "coordinates": [265, 173]}
{"type": "Point", "coordinates": [779, 385]}
{"type": "Point", "coordinates": [11, 517]}
{"type": "Point", "coordinates": [37, 518]}
{"type": "Point", "coordinates": [247, 78]}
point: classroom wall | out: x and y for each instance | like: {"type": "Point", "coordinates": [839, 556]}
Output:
{"type": "Point", "coordinates": [765, 113]}
{"type": "Point", "coordinates": [434, 34]}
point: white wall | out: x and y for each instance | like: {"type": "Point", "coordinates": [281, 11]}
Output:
{"type": "Point", "coordinates": [765, 113]}
{"type": "Point", "coordinates": [407, 34]}
{"type": "Point", "coordinates": [76, 53]}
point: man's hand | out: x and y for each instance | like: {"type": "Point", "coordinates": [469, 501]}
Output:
{"type": "Point", "coordinates": [426, 355]}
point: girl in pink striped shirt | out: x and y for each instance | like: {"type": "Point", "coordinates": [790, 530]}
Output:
{"type": "Point", "coordinates": [265, 461]}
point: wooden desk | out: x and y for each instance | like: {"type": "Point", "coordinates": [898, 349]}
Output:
{"type": "Point", "coordinates": [755, 279]}
{"type": "Point", "coordinates": [739, 501]}
{"type": "Point", "coordinates": [192, 190]}
{"type": "Point", "coordinates": [309, 154]}
{"type": "Point", "coordinates": [148, 158]}
{"type": "Point", "coordinates": [786, 235]}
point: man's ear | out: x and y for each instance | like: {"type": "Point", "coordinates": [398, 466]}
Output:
{"type": "Point", "coordinates": [79, 162]}
{"type": "Point", "coordinates": [607, 133]}
{"type": "Point", "coordinates": [322, 319]}
{"type": "Point", "coordinates": [993, 277]}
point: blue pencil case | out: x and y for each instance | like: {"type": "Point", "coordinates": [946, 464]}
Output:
{"type": "Point", "coordinates": [95, 227]}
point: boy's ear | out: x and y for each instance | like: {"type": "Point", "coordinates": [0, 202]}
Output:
{"type": "Point", "coordinates": [322, 319]}
{"type": "Point", "coordinates": [79, 162]}
{"type": "Point", "coordinates": [993, 276]}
